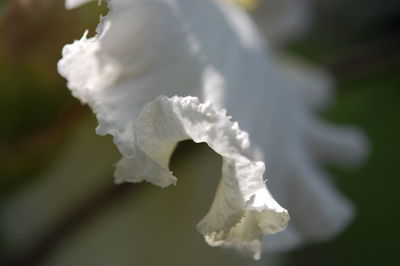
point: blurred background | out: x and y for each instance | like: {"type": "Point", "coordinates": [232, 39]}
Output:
{"type": "Point", "coordinates": [58, 203]}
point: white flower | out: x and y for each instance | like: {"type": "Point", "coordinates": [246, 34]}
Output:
{"type": "Point", "coordinates": [148, 51]}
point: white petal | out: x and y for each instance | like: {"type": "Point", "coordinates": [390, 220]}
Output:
{"type": "Point", "coordinates": [243, 210]}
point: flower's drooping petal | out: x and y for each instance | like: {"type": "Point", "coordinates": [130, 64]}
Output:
{"type": "Point", "coordinates": [243, 210]}
{"type": "Point", "coordinates": [147, 48]}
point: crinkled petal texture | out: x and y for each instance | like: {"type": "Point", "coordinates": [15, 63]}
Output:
{"type": "Point", "coordinates": [211, 50]}
{"type": "Point", "coordinates": [243, 209]}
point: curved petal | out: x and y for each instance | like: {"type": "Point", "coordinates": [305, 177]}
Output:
{"type": "Point", "coordinates": [243, 210]}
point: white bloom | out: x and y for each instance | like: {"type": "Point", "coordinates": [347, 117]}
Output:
{"type": "Point", "coordinates": [211, 50]}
